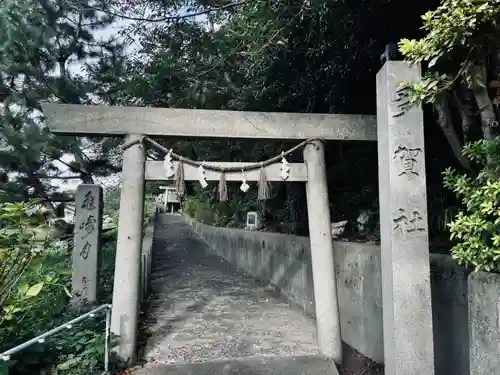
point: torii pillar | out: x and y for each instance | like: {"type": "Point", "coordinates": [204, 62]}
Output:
{"type": "Point", "coordinates": [127, 280]}
{"type": "Point", "coordinates": [322, 257]}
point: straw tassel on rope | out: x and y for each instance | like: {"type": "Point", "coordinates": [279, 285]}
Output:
{"type": "Point", "coordinates": [180, 184]}
{"type": "Point", "coordinates": [223, 187]}
{"type": "Point", "coordinates": [263, 187]}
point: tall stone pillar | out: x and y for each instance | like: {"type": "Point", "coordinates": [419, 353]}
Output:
{"type": "Point", "coordinates": [323, 267]}
{"type": "Point", "coordinates": [126, 290]}
{"type": "Point", "coordinates": [406, 292]}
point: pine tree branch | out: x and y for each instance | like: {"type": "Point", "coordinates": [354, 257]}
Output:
{"type": "Point", "coordinates": [162, 19]}
{"type": "Point", "coordinates": [75, 177]}
{"type": "Point", "coordinates": [84, 175]}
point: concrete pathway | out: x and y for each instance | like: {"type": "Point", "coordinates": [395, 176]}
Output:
{"type": "Point", "coordinates": [203, 309]}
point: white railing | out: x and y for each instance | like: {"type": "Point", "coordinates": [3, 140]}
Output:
{"type": "Point", "coordinates": [6, 356]}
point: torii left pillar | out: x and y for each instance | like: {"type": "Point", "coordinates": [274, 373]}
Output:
{"type": "Point", "coordinates": [126, 290]}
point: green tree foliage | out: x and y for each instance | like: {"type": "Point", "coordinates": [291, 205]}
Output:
{"type": "Point", "coordinates": [35, 290]}
{"type": "Point", "coordinates": [287, 55]}
{"type": "Point", "coordinates": [34, 293]}
{"type": "Point", "coordinates": [463, 70]}
{"type": "Point", "coordinates": [476, 228]}
{"type": "Point", "coordinates": [462, 80]}
{"type": "Point", "coordinates": [20, 225]}
{"type": "Point", "coordinates": [40, 40]}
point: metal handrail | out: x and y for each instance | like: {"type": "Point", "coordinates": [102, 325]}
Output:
{"type": "Point", "coordinates": [5, 356]}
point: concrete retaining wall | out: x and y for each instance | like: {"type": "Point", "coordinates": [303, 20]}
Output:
{"type": "Point", "coordinates": [146, 253]}
{"type": "Point", "coordinates": [450, 316]}
{"type": "Point", "coordinates": [484, 317]}
{"type": "Point", "coordinates": [285, 262]}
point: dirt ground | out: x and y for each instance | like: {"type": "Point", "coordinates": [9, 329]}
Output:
{"type": "Point", "coordinates": [355, 363]}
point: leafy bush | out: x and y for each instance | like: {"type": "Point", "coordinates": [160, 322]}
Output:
{"type": "Point", "coordinates": [34, 276]}
{"type": "Point", "coordinates": [149, 207]}
{"type": "Point", "coordinates": [31, 269]}
{"type": "Point", "coordinates": [80, 352]}
{"type": "Point", "coordinates": [476, 228]}
{"type": "Point", "coordinates": [35, 282]}
{"type": "Point", "coordinates": [199, 208]}
{"type": "Point", "coordinates": [224, 214]}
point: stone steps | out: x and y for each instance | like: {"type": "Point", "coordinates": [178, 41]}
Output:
{"type": "Point", "coordinates": [302, 365]}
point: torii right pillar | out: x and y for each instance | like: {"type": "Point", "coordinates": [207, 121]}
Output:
{"type": "Point", "coordinates": [406, 291]}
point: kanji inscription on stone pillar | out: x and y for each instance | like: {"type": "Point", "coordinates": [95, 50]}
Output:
{"type": "Point", "coordinates": [87, 243]}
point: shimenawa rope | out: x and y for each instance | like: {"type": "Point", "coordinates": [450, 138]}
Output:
{"type": "Point", "coordinates": [263, 186]}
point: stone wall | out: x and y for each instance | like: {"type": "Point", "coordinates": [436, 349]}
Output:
{"type": "Point", "coordinates": [285, 262]}
{"type": "Point", "coordinates": [484, 311]}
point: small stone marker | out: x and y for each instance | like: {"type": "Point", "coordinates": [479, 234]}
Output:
{"type": "Point", "coordinates": [87, 243]}
{"type": "Point", "coordinates": [406, 292]}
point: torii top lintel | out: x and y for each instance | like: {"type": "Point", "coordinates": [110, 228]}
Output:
{"type": "Point", "coordinates": [113, 120]}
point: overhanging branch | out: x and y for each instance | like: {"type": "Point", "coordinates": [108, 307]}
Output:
{"type": "Point", "coordinates": [445, 121]}
{"type": "Point", "coordinates": [161, 19]}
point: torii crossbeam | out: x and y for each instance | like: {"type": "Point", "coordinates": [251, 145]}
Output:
{"type": "Point", "coordinates": [106, 120]}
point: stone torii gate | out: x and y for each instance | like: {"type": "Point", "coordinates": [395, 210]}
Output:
{"type": "Point", "coordinates": [405, 258]}
{"type": "Point", "coordinates": [170, 195]}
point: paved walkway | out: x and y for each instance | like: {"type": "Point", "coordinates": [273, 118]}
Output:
{"type": "Point", "coordinates": [202, 309]}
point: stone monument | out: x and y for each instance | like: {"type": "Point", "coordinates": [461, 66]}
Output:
{"type": "Point", "coordinates": [87, 243]}
{"type": "Point", "coordinates": [253, 221]}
